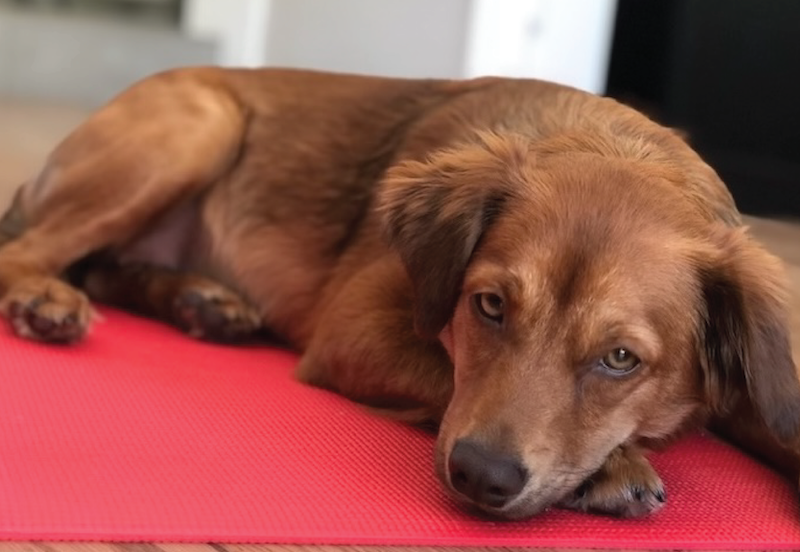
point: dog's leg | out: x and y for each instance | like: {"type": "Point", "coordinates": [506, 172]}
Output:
{"type": "Point", "coordinates": [625, 486]}
{"type": "Point", "coordinates": [37, 305]}
{"type": "Point", "coordinates": [364, 347]}
{"type": "Point", "coordinates": [745, 428]}
{"type": "Point", "coordinates": [161, 141]}
{"type": "Point", "coordinates": [198, 305]}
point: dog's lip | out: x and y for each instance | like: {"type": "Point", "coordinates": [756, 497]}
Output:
{"type": "Point", "coordinates": [489, 513]}
{"type": "Point", "coordinates": [516, 510]}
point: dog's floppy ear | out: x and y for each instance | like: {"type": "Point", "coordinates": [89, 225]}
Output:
{"type": "Point", "coordinates": [435, 212]}
{"type": "Point", "coordinates": [745, 334]}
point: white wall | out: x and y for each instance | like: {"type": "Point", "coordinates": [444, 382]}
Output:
{"type": "Point", "coordinates": [568, 41]}
{"type": "Point", "coordinates": [239, 28]}
{"type": "Point", "coordinates": [411, 38]}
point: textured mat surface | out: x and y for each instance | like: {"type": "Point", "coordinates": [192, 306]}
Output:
{"type": "Point", "coordinates": [142, 434]}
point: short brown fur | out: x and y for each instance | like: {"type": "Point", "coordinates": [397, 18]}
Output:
{"type": "Point", "coordinates": [370, 222]}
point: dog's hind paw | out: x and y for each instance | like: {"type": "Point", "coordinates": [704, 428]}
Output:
{"type": "Point", "coordinates": [214, 313]}
{"type": "Point", "coordinates": [626, 486]}
{"type": "Point", "coordinates": [47, 309]}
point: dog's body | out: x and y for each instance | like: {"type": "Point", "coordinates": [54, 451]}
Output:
{"type": "Point", "coordinates": [549, 274]}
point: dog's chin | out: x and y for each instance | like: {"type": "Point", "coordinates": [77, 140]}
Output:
{"type": "Point", "coordinates": [513, 512]}
{"type": "Point", "coordinates": [519, 509]}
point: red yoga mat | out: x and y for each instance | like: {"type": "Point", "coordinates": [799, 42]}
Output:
{"type": "Point", "coordinates": [142, 434]}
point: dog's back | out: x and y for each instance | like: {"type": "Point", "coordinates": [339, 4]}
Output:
{"type": "Point", "coordinates": [549, 274]}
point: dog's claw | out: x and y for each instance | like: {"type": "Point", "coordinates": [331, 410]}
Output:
{"type": "Point", "coordinates": [618, 499]}
{"type": "Point", "coordinates": [626, 486]}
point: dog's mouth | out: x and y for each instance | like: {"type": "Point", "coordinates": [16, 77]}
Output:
{"type": "Point", "coordinates": [526, 505]}
{"type": "Point", "coordinates": [500, 489]}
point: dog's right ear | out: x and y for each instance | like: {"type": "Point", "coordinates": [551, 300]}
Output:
{"type": "Point", "coordinates": [435, 212]}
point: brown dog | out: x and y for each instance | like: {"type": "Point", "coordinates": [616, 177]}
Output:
{"type": "Point", "coordinates": [552, 276]}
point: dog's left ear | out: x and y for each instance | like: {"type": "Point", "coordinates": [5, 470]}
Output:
{"type": "Point", "coordinates": [745, 343]}
{"type": "Point", "coordinates": [435, 212]}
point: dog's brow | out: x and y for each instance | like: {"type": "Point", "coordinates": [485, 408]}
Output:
{"type": "Point", "coordinates": [607, 331]}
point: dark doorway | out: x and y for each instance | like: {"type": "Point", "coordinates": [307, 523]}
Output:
{"type": "Point", "coordinates": [728, 73]}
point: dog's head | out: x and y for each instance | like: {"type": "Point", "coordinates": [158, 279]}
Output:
{"type": "Point", "coordinates": [585, 302]}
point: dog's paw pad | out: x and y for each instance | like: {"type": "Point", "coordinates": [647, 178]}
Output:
{"type": "Point", "coordinates": [636, 493]}
{"type": "Point", "coordinates": [215, 314]}
{"type": "Point", "coordinates": [47, 309]}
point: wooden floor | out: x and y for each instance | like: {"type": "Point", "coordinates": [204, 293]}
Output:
{"type": "Point", "coordinates": [28, 131]}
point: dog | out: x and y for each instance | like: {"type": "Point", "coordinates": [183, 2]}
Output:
{"type": "Point", "coordinates": [553, 279]}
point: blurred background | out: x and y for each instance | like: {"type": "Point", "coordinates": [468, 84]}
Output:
{"type": "Point", "coordinates": [725, 71]}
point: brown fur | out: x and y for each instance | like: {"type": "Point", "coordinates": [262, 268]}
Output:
{"type": "Point", "coordinates": [361, 218]}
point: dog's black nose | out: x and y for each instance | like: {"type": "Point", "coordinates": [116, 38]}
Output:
{"type": "Point", "coordinates": [484, 476]}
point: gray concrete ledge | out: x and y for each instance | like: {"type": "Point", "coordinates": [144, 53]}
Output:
{"type": "Point", "coordinates": [85, 61]}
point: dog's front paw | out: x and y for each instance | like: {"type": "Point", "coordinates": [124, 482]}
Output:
{"type": "Point", "coordinates": [212, 312]}
{"type": "Point", "coordinates": [626, 486]}
{"type": "Point", "coordinates": [47, 309]}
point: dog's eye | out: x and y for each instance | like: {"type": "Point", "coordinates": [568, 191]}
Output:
{"type": "Point", "coordinates": [490, 306]}
{"type": "Point", "coordinates": [620, 361]}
